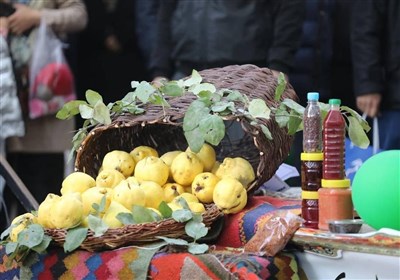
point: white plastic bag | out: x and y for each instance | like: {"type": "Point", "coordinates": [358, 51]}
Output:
{"type": "Point", "coordinates": [51, 81]}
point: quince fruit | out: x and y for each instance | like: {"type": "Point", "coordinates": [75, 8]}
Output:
{"type": "Point", "coordinates": [129, 194]}
{"type": "Point", "coordinates": [237, 168]}
{"type": "Point", "coordinates": [95, 195]}
{"type": "Point", "coordinates": [153, 169]}
{"type": "Point", "coordinates": [141, 152]}
{"type": "Point", "coordinates": [44, 210]}
{"type": "Point", "coordinates": [110, 217]}
{"type": "Point", "coordinates": [186, 196]}
{"type": "Point", "coordinates": [109, 178]}
{"type": "Point", "coordinates": [172, 190]}
{"type": "Point", "coordinates": [21, 222]}
{"type": "Point", "coordinates": [68, 211]}
{"type": "Point", "coordinates": [206, 155]}
{"type": "Point", "coordinates": [120, 161]}
{"type": "Point", "coordinates": [153, 192]}
{"type": "Point", "coordinates": [197, 207]}
{"type": "Point", "coordinates": [203, 186]}
{"type": "Point", "coordinates": [168, 157]}
{"type": "Point", "coordinates": [229, 195]}
{"type": "Point", "coordinates": [215, 167]}
{"type": "Point", "coordinates": [185, 167]}
{"type": "Point", "coordinates": [77, 182]}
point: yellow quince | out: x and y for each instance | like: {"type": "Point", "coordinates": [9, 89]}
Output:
{"type": "Point", "coordinates": [206, 155]}
{"type": "Point", "coordinates": [229, 195]}
{"type": "Point", "coordinates": [110, 217]}
{"type": "Point", "coordinates": [153, 169]}
{"type": "Point", "coordinates": [95, 195]}
{"type": "Point", "coordinates": [203, 186]}
{"type": "Point", "coordinates": [68, 211]}
{"type": "Point", "coordinates": [141, 152]}
{"type": "Point", "coordinates": [44, 210]}
{"type": "Point", "coordinates": [185, 167]}
{"type": "Point", "coordinates": [109, 178]}
{"type": "Point", "coordinates": [129, 194]}
{"type": "Point", "coordinates": [237, 168]}
{"type": "Point", "coordinates": [77, 182]}
{"type": "Point", "coordinates": [172, 190]}
{"type": "Point", "coordinates": [120, 161]}
{"type": "Point", "coordinates": [21, 222]}
{"type": "Point", "coordinates": [153, 192]}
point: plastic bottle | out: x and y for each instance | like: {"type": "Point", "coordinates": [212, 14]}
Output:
{"type": "Point", "coordinates": [333, 135]}
{"type": "Point", "coordinates": [311, 173]}
{"type": "Point", "coordinates": [312, 131]}
{"type": "Point", "coordinates": [335, 202]}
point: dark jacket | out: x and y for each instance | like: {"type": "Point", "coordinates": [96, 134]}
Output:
{"type": "Point", "coordinates": [313, 59]}
{"type": "Point", "coordinates": [376, 49]}
{"type": "Point", "coordinates": [216, 33]}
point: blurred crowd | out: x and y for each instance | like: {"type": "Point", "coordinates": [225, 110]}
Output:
{"type": "Point", "coordinates": [339, 48]}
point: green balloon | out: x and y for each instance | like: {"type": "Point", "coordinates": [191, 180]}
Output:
{"type": "Point", "coordinates": [376, 190]}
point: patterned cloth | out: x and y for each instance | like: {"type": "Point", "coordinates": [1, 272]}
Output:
{"type": "Point", "coordinates": [128, 263]}
{"type": "Point", "coordinates": [240, 228]}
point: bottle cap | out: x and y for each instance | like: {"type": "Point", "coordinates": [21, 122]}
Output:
{"type": "Point", "coordinates": [313, 95]}
{"type": "Point", "coordinates": [312, 156]}
{"type": "Point", "coordinates": [335, 184]}
{"type": "Point", "coordinates": [309, 195]}
{"type": "Point", "coordinates": [334, 101]}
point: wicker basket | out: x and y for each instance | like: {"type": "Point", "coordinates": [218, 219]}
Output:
{"type": "Point", "coordinates": [164, 132]}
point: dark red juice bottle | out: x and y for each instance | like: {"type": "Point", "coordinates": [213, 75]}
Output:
{"type": "Point", "coordinates": [333, 136]}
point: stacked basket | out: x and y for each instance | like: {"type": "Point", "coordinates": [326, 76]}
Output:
{"type": "Point", "coordinates": [163, 131]}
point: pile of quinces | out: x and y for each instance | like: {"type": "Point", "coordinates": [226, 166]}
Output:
{"type": "Point", "coordinates": [145, 179]}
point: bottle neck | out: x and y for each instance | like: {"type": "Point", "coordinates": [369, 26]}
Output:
{"type": "Point", "coordinates": [335, 107]}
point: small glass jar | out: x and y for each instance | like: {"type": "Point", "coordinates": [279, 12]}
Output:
{"type": "Point", "coordinates": [335, 202]}
{"type": "Point", "coordinates": [311, 173]}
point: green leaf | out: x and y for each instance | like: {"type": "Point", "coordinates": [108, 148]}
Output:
{"type": "Point", "coordinates": [155, 215]}
{"type": "Point", "coordinates": [129, 98]}
{"type": "Point", "coordinates": [11, 247]}
{"type": "Point", "coordinates": [295, 120]}
{"type": "Point", "coordinates": [364, 124]}
{"type": "Point", "coordinates": [266, 132]}
{"type": "Point", "coordinates": [213, 129]}
{"type": "Point", "coordinates": [182, 215]}
{"type": "Point", "coordinates": [197, 217]}
{"type": "Point", "coordinates": [204, 87]}
{"type": "Point", "coordinates": [97, 225]}
{"type": "Point", "coordinates": [194, 115]}
{"type": "Point", "coordinates": [126, 218]}
{"type": "Point", "coordinates": [234, 95]}
{"type": "Point", "coordinates": [165, 210]}
{"type": "Point", "coordinates": [195, 79]}
{"type": "Point", "coordinates": [86, 111]}
{"type": "Point", "coordinates": [182, 202]}
{"type": "Point", "coordinates": [101, 113]}
{"type": "Point", "coordinates": [281, 117]}
{"type": "Point", "coordinates": [144, 90]}
{"type": "Point", "coordinates": [294, 106]}
{"type": "Point", "coordinates": [134, 84]}
{"type": "Point", "coordinates": [197, 249]}
{"type": "Point", "coordinates": [31, 236]}
{"type": "Point", "coordinates": [69, 109]}
{"type": "Point", "coordinates": [102, 205]}
{"type": "Point", "coordinates": [206, 97]}
{"type": "Point", "coordinates": [195, 139]}
{"type": "Point", "coordinates": [280, 88]}
{"type": "Point", "coordinates": [93, 97]}
{"type": "Point", "coordinates": [43, 245]}
{"type": "Point", "coordinates": [159, 100]}
{"type": "Point", "coordinates": [258, 109]}
{"type": "Point", "coordinates": [223, 106]}
{"type": "Point", "coordinates": [74, 238]}
{"type": "Point", "coordinates": [172, 89]}
{"type": "Point", "coordinates": [196, 230]}
{"type": "Point", "coordinates": [174, 241]}
{"type": "Point", "coordinates": [142, 214]}
{"type": "Point", "coordinates": [357, 134]}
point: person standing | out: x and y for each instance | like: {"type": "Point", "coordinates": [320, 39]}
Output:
{"type": "Point", "coordinates": [375, 43]}
{"type": "Point", "coordinates": [206, 34]}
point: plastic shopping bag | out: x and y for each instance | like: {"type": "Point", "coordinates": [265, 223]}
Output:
{"type": "Point", "coordinates": [356, 156]}
{"type": "Point", "coordinates": [51, 81]}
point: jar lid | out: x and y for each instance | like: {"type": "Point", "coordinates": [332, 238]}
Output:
{"type": "Point", "coordinates": [337, 184]}
{"type": "Point", "coordinates": [309, 195]}
{"type": "Point", "coordinates": [312, 156]}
